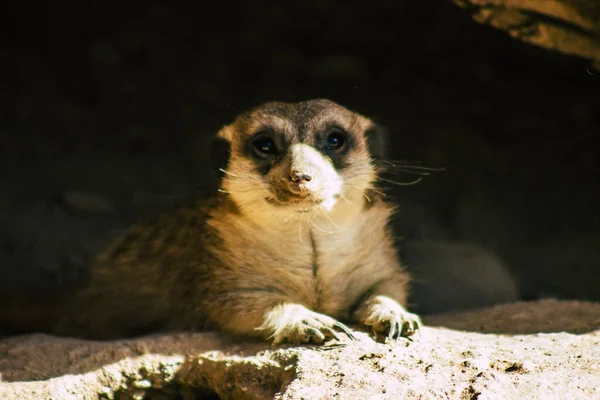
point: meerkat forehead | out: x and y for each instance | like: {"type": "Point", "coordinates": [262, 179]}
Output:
{"type": "Point", "coordinates": [297, 122]}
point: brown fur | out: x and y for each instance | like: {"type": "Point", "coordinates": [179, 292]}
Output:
{"type": "Point", "coordinates": [253, 262]}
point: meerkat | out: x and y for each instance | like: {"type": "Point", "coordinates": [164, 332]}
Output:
{"type": "Point", "coordinates": [294, 246]}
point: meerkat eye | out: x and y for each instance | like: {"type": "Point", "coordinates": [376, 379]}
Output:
{"type": "Point", "coordinates": [264, 145]}
{"type": "Point", "coordinates": [336, 139]}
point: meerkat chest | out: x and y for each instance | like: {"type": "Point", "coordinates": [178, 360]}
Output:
{"type": "Point", "coordinates": [323, 265]}
{"type": "Point", "coordinates": [350, 261]}
{"type": "Point", "coordinates": [335, 252]}
{"type": "Point", "coordinates": [320, 265]}
{"type": "Point", "coordinates": [322, 252]}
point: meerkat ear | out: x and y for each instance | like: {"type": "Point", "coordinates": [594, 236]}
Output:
{"type": "Point", "coordinates": [220, 152]}
{"type": "Point", "coordinates": [377, 138]}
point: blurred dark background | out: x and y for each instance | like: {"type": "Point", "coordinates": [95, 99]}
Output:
{"type": "Point", "coordinates": [106, 109]}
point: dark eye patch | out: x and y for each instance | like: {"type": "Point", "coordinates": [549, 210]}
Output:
{"type": "Point", "coordinates": [335, 144]}
{"type": "Point", "coordinates": [265, 147]}
{"type": "Point", "coordinates": [264, 144]}
{"type": "Point", "coordinates": [336, 139]}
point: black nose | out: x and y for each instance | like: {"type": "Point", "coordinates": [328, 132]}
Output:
{"type": "Point", "coordinates": [300, 178]}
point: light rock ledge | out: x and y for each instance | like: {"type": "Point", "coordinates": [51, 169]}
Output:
{"type": "Point", "coordinates": [495, 353]}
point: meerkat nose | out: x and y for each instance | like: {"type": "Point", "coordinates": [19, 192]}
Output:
{"type": "Point", "coordinates": [299, 178]}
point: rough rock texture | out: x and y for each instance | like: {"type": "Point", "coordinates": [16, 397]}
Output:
{"type": "Point", "coordinates": [543, 350]}
{"type": "Point", "coordinates": [569, 26]}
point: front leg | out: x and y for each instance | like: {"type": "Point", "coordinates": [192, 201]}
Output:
{"type": "Point", "coordinates": [383, 313]}
{"type": "Point", "coordinates": [257, 314]}
{"type": "Point", "coordinates": [296, 324]}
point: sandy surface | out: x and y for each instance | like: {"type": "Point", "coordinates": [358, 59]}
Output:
{"type": "Point", "coordinates": [542, 350]}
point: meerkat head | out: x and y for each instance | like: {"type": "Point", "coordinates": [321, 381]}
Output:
{"type": "Point", "coordinates": [299, 157]}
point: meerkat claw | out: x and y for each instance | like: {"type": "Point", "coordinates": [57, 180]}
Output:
{"type": "Point", "coordinates": [343, 328]}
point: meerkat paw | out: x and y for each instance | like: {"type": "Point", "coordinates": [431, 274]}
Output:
{"type": "Point", "coordinates": [295, 324]}
{"type": "Point", "coordinates": [390, 320]}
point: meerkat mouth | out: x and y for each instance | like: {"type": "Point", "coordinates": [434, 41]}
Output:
{"type": "Point", "coordinates": [304, 204]}
{"type": "Point", "coordinates": [294, 201]}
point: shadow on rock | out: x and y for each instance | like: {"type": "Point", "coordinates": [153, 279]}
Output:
{"type": "Point", "coordinates": [521, 318]}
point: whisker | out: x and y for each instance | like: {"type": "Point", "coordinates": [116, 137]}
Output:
{"type": "Point", "coordinates": [246, 176]}
{"type": "Point", "coordinates": [330, 220]}
{"type": "Point", "coordinates": [378, 192]}
{"type": "Point", "coordinates": [418, 168]}
{"type": "Point", "coordinates": [371, 188]}
{"type": "Point", "coordinates": [313, 225]}
{"type": "Point", "coordinates": [320, 229]}
{"type": "Point", "coordinates": [405, 165]}
{"type": "Point", "coordinates": [400, 161]}
{"type": "Point", "coordinates": [409, 164]}
{"type": "Point", "coordinates": [369, 174]}
{"type": "Point", "coordinates": [352, 203]}
{"type": "Point", "coordinates": [407, 171]}
{"type": "Point", "coordinates": [239, 191]}
{"type": "Point", "coordinates": [402, 183]}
